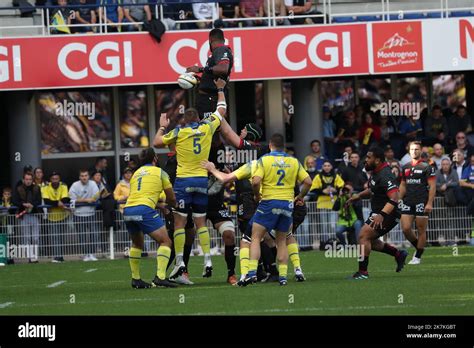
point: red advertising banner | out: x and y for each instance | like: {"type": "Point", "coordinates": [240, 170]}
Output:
{"type": "Point", "coordinates": [397, 47]}
{"type": "Point", "coordinates": [125, 59]}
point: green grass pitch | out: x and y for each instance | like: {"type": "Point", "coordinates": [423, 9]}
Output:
{"type": "Point", "coordinates": [442, 284]}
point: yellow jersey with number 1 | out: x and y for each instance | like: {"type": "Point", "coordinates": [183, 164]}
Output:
{"type": "Point", "coordinates": [146, 185]}
{"type": "Point", "coordinates": [280, 174]}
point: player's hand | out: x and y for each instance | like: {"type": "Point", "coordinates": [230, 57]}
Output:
{"type": "Point", "coordinates": [377, 221]}
{"type": "Point", "coordinates": [299, 201]}
{"type": "Point", "coordinates": [428, 208]}
{"type": "Point", "coordinates": [209, 166]}
{"type": "Point", "coordinates": [220, 83]}
{"type": "Point", "coordinates": [193, 69]}
{"type": "Point", "coordinates": [351, 199]}
{"type": "Point", "coordinates": [258, 198]}
{"type": "Point", "coordinates": [243, 133]}
{"type": "Point", "coordinates": [164, 121]}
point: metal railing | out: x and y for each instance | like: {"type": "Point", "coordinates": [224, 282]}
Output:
{"type": "Point", "coordinates": [73, 237]}
{"type": "Point", "coordinates": [271, 19]}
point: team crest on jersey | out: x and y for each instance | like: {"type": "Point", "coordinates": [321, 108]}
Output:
{"type": "Point", "coordinates": [407, 172]}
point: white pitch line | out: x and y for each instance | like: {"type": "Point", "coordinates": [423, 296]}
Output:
{"type": "Point", "coordinates": [6, 304]}
{"type": "Point", "coordinates": [56, 284]}
{"type": "Point", "coordinates": [91, 270]}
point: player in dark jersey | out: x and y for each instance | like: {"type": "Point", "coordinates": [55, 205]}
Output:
{"type": "Point", "coordinates": [417, 193]}
{"type": "Point", "coordinates": [384, 216]}
{"type": "Point", "coordinates": [219, 64]}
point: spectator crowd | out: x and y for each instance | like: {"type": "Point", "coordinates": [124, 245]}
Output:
{"type": "Point", "coordinates": [83, 16]}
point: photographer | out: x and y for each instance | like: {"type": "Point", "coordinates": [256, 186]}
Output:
{"type": "Point", "coordinates": [350, 218]}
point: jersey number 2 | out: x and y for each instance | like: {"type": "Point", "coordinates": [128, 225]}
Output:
{"type": "Point", "coordinates": [280, 172]}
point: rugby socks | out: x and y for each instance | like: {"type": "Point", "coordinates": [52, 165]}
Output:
{"type": "Point", "coordinates": [253, 264]}
{"type": "Point", "coordinates": [204, 240]}
{"type": "Point", "coordinates": [269, 258]}
{"type": "Point", "coordinates": [419, 252]}
{"type": "Point", "coordinates": [391, 250]}
{"type": "Point", "coordinates": [414, 243]}
{"type": "Point", "coordinates": [294, 255]}
{"type": "Point", "coordinates": [162, 257]}
{"type": "Point", "coordinates": [363, 265]}
{"type": "Point", "coordinates": [244, 256]}
{"type": "Point", "coordinates": [179, 237]}
{"type": "Point", "coordinates": [229, 255]}
{"type": "Point", "coordinates": [134, 260]}
{"type": "Point", "coordinates": [283, 270]}
{"type": "Point", "coordinates": [187, 253]}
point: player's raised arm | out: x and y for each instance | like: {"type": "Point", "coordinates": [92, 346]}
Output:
{"type": "Point", "coordinates": [221, 103]}
{"type": "Point", "coordinates": [222, 177]}
{"type": "Point", "coordinates": [160, 140]}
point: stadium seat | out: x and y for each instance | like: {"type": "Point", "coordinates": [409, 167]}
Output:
{"type": "Point", "coordinates": [344, 19]}
{"type": "Point", "coordinates": [461, 14]}
{"type": "Point", "coordinates": [433, 15]}
{"type": "Point", "coordinates": [369, 18]}
{"type": "Point", "coordinates": [405, 16]}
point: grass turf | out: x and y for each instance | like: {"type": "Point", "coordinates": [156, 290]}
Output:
{"type": "Point", "coordinates": [442, 284]}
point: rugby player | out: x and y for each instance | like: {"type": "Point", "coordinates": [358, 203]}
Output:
{"type": "Point", "coordinates": [140, 216]}
{"type": "Point", "coordinates": [417, 193]}
{"type": "Point", "coordinates": [384, 216]}
{"type": "Point", "coordinates": [276, 174]}
{"type": "Point", "coordinates": [193, 143]}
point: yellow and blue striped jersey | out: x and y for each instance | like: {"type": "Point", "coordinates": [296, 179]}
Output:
{"type": "Point", "coordinates": [146, 185]}
{"type": "Point", "coordinates": [280, 173]}
{"type": "Point", "coordinates": [193, 143]}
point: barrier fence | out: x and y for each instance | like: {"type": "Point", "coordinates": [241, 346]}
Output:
{"type": "Point", "coordinates": [45, 236]}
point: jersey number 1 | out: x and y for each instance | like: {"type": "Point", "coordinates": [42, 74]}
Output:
{"type": "Point", "coordinates": [139, 184]}
{"type": "Point", "coordinates": [280, 172]}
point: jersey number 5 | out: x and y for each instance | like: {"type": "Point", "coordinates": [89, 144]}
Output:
{"type": "Point", "coordinates": [197, 146]}
{"type": "Point", "coordinates": [280, 172]}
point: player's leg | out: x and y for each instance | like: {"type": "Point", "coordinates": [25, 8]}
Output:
{"type": "Point", "coordinates": [244, 252]}
{"type": "Point", "coordinates": [282, 256]}
{"type": "Point", "coordinates": [226, 229]}
{"type": "Point", "coordinates": [421, 226]}
{"type": "Point", "coordinates": [366, 236]}
{"type": "Point", "coordinates": [400, 255]}
{"type": "Point", "coordinates": [267, 270]}
{"type": "Point", "coordinates": [160, 235]}
{"type": "Point", "coordinates": [134, 260]}
{"type": "Point", "coordinates": [258, 231]}
{"type": "Point", "coordinates": [406, 222]}
{"type": "Point", "coordinates": [199, 208]}
{"type": "Point", "coordinates": [294, 255]}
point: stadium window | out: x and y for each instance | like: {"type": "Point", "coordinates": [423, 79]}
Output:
{"type": "Point", "coordinates": [338, 95]}
{"type": "Point", "coordinates": [412, 90]}
{"type": "Point", "coordinates": [288, 109]}
{"type": "Point", "coordinates": [133, 118]}
{"type": "Point", "coordinates": [449, 91]}
{"type": "Point", "coordinates": [171, 101]}
{"type": "Point", "coordinates": [374, 91]}
{"type": "Point", "coordinates": [75, 121]}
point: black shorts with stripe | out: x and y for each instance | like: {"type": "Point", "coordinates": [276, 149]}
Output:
{"type": "Point", "coordinates": [389, 222]}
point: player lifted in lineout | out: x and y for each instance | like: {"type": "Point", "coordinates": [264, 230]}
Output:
{"type": "Point", "coordinates": [193, 143]}
{"type": "Point", "coordinates": [417, 193]}
{"type": "Point", "coordinates": [384, 216]}
{"type": "Point", "coordinates": [273, 184]}
{"type": "Point", "coordinates": [140, 216]}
